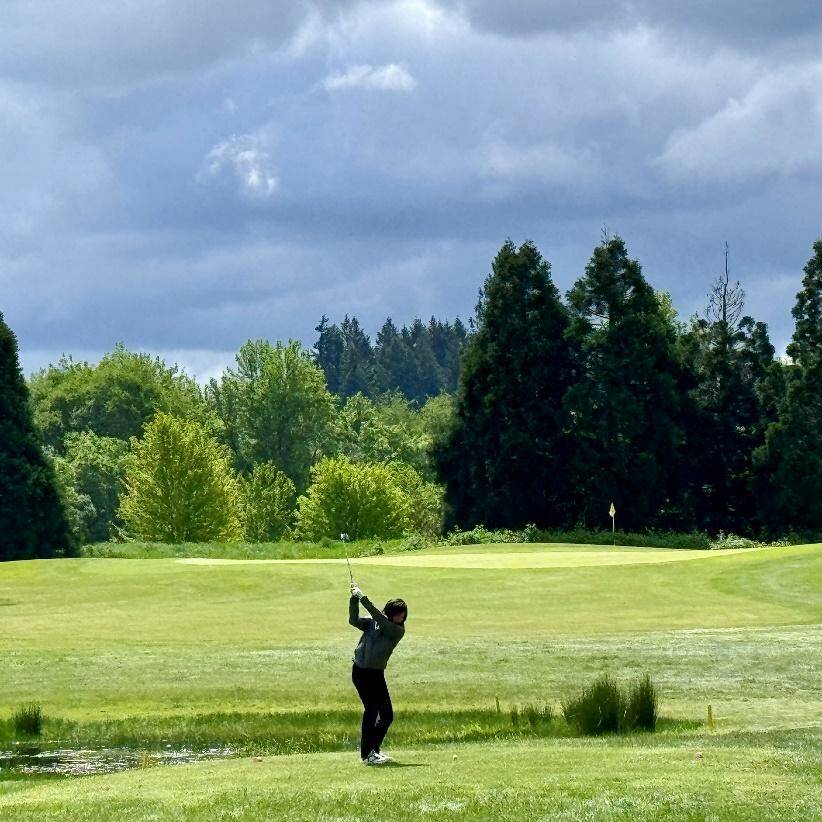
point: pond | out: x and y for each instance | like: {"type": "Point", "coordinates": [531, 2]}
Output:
{"type": "Point", "coordinates": [40, 759]}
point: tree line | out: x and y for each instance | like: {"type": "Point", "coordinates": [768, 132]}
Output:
{"type": "Point", "coordinates": [606, 397]}
{"type": "Point", "coordinates": [560, 407]}
{"type": "Point", "coordinates": [419, 361]}
{"type": "Point", "coordinates": [136, 449]}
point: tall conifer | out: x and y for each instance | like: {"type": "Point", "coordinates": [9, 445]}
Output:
{"type": "Point", "coordinates": [625, 406]}
{"type": "Point", "coordinates": [32, 517]}
{"type": "Point", "coordinates": [505, 462]}
{"type": "Point", "coordinates": [790, 462]}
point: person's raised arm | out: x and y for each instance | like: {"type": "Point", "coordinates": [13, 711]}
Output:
{"type": "Point", "coordinates": [354, 617]}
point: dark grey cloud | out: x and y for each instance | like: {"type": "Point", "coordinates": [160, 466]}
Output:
{"type": "Point", "coordinates": [188, 179]}
{"type": "Point", "coordinates": [114, 45]}
{"type": "Point", "coordinates": [741, 23]}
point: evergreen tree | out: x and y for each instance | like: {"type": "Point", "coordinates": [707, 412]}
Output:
{"type": "Point", "coordinates": [328, 352]}
{"type": "Point", "coordinates": [446, 342]}
{"type": "Point", "coordinates": [625, 407]}
{"type": "Point", "coordinates": [390, 359]}
{"type": "Point", "coordinates": [790, 462]}
{"type": "Point", "coordinates": [424, 377]}
{"type": "Point", "coordinates": [505, 459]}
{"type": "Point", "coordinates": [33, 521]}
{"type": "Point", "coordinates": [729, 356]}
{"type": "Point", "coordinates": [357, 361]}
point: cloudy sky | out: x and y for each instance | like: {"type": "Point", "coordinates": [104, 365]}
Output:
{"type": "Point", "coordinates": [183, 175]}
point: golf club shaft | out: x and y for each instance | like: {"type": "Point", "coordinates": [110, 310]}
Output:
{"type": "Point", "coordinates": [350, 575]}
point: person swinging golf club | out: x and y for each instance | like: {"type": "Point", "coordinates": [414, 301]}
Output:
{"type": "Point", "coordinates": [380, 635]}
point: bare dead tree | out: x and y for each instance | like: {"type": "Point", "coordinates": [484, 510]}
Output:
{"type": "Point", "coordinates": [725, 301]}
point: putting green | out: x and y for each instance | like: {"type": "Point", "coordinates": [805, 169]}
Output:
{"type": "Point", "coordinates": [461, 558]}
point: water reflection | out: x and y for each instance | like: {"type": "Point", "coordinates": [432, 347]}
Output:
{"type": "Point", "coordinates": [39, 760]}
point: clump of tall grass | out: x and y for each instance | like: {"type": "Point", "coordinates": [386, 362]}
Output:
{"type": "Point", "coordinates": [642, 710]}
{"type": "Point", "coordinates": [28, 720]}
{"type": "Point", "coordinates": [603, 707]}
{"type": "Point", "coordinates": [598, 709]}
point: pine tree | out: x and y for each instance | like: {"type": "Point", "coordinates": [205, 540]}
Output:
{"type": "Point", "coordinates": [328, 352]}
{"type": "Point", "coordinates": [357, 361]}
{"type": "Point", "coordinates": [424, 376]}
{"type": "Point", "coordinates": [505, 463]}
{"type": "Point", "coordinates": [390, 359]}
{"type": "Point", "coordinates": [729, 355]}
{"type": "Point", "coordinates": [790, 462]}
{"type": "Point", "coordinates": [446, 342]}
{"type": "Point", "coordinates": [33, 521]}
{"type": "Point", "coordinates": [625, 407]}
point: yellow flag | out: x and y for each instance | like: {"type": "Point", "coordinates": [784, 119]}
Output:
{"type": "Point", "coordinates": [612, 512]}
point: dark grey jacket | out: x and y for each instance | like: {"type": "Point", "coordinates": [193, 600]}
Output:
{"type": "Point", "coordinates": [379, 635]}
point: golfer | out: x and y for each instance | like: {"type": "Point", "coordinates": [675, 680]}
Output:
{"type": "Point", "coordinates": [380, 636]}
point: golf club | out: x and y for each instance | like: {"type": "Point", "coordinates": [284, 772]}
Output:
{"type": "Point", "coordinates": [344, 538]}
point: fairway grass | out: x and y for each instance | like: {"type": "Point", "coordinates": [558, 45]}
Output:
{"type": "Point", "coordinates": [256, 655]}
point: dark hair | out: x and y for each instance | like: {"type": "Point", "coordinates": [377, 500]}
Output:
{"type": "Point", "coordinates": [394, 607]}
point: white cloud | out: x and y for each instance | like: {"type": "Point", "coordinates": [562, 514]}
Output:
{"type": "Point", "coordinates": [246, 157]}
{"type": "Point", "coordinates": [773, 130]}
{"type": "Point", "coordinates": [391, 77]}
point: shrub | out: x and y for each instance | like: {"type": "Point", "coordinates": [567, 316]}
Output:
{"type": "Point", "coordinates": [359, 499]}
{"type": "Point", "coordinates": [415, 542]}
{"type": "Point", "coordinates": [479, 535]}
{"type": "Point", "coordinates": [268, 498]}
{"type": "Point", "coordinates": [603, 707]}
{"type": "Point", "coordinates": [649, 539]}
{"type": "Point", "coordinates": [734, 541]}
{"type": "Point", "coordinates": [642, 709]}
{"type": "Point", "coordinates": [538, 715]}
{"type": "Point", "coordinates": [599, 709]}
{"type": "Point", "coordinates": [28, 720]}
{"type": "Point", "coordinates": [425, 500]}
{"type": "Point", "coordinates": [179, 485]}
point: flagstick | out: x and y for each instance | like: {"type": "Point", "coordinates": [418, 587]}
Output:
{"type": "Point", "coordinates": [612, 514]}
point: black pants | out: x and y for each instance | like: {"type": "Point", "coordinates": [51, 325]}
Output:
{"type": "Point", "coordinates": [378, 714]}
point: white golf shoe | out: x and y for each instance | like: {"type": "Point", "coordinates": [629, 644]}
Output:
{"type": "Point", "coordinates": [375, 759]}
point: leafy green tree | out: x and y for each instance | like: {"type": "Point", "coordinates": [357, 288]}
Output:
{"type": "Point", "coordinates": [114, 398]}
{"type": "Point", "coordinates": [624, 407]}
{"type": "Point", "coordinates": [92, 467]}
{"type": "Point", "coordinates": [269, 499]}
{"type": "Point", "coordinates": [359, 499]}
{"type": "Point", "coordinates": [78, 506]}
{"type": "Point", "coordinates": [426, 508]}
{"type": "Point", "coordinates": [505, 458]}
{"type": "Point", "coordinates": [179, 485]}
{"type": "Point", "coordinates": [383, 432]}
{"type": "Point", "coordinates": [790, 461]}
{"type": "Point", "coordinates": [275, 407]}
{"type": "Point", "coordinates": [33, 520]}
